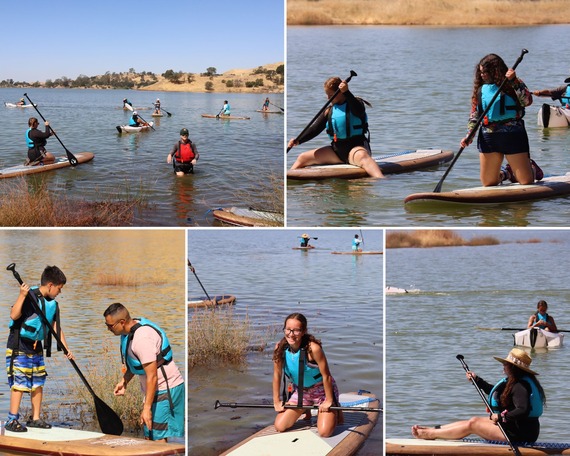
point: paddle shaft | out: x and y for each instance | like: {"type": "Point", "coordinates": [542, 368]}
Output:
{"type": "Point", "coordinates": [167, 113]}
{"type": "Point", "coordinates": [195, 275]}
{"type": "Point", "coordinates": [277, 106]}
{"type": "Point", "coordinates": [522, 329]}
{"type": "Point", "coordinates": [304, 407]}
{"type": "Point", "coordinates": [466, 368]}
{"type": "Point", "coordinates": [477, 125]}
{"type": "Point", "coordinates": [109, 421]}
{"type": "Point", "coordinates": [70, 156]}
{"type": "Point", "coordinates": [347, 80]}
{"type": "Point", "coordinates": [145, 121]}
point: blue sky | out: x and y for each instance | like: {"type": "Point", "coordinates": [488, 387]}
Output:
{"type": "Point", "coordinates": [68, 38]}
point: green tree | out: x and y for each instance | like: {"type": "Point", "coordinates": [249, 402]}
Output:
{"type": "Point", "coordinates": [209, 86]}
{"type": "Point", "coordinates": [210, 71]}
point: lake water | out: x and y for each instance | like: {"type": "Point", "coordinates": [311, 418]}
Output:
{"type": "Point", "coordinates": [339, 294]}
{"type": "Point", "coordinates": [463, 292]}
{"type": "Point", "coordinates": [154, 259]}
{"type": "Point", "coordinates": [237, 157]}
{"type": "Point", "coordinates": [419, 82]}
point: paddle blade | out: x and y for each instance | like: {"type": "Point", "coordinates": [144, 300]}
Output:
{"type": "Point", "coordinates": [109, 421]}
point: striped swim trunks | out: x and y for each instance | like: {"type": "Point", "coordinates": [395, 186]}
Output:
{"type": "Point", "coordinates": [27, 372]}
{"type": "Point", "coordinates": [166, 422]}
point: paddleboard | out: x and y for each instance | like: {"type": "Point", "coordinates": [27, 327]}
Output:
{"type": "Point", "coordinates": [505, 193]}
{"type": "Point", "coordinates": [215, 301]}
{"type": "Point", "coordinates": [469, 447]}
{"type": "Point", "coordinates": [304, 248]}
{"type": "Point", "coordinates": [60, 162]}
{"type": "Point", "coordinates": [553, 116]}
{"type": "Point", "coordinates": [269, 112]}
{"type": "Point", "coordinates": [157, 115]}
{"type": "Point", "coordinates": [242, 216]}
{"type": "Point", "coordinates": [303, 438]}
{"type": "Point", "coordinates": [213, 116]}
{"type": "Point", "coordinates": [371, 252]}
{"type": "Point", "coordinates": [402, 162]}
{"type": "Point", "coordinates": [71, 442]}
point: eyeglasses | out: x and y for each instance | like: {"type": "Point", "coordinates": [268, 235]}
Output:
{"type": "Point", "coordinates": [114, 324]}
{"type": "Point", "coordinates": [295, 331]}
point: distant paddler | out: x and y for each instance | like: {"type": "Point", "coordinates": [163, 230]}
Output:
{"type": "Point", "coordinates": [304, 239]}
{"type": "Point", "coordinates": [157, 106]}
{"type": "Point", "coordinates": [561, 93]}
{"type": "Point", "coordinates": [36, 141]}
{"type": "Point", "coordinates": [356, 242]}
{"type": "Point", "coordinates": [541, 320]}
{"type": "Point", "coordinates": [136, 121]}
{"type": "Point", "coordinates": [265, 106]}
{"type": "Point", "coordinates": [22, 102]}
{"type": "Point", "coordinates": [127, 104]}
{"type": "Point", "coordinates": [226, 110]}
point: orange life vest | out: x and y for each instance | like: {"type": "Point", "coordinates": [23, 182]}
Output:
{"type": "Point", "coordinates": [185, 152]}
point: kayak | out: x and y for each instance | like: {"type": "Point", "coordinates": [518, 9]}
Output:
{"type": "Point", "coordinates": [304, 439]}
{"type": "Point", "coordinates": [395, 290]}
{"type": "Point", "coordinates": [242, 216]}
{"type": "Point", "coordinates": [213, 116]}
{"type": "Point", "coordinates": [371, 252]}
{"type": "Point", "coordinates": [402, 162]}
{"type": "Point", "coordinates": [505, 193]}
{"type": "Point", "coordinates": [553, 116]}
{"type": "Point", "coordinates": [470, 447]}
{"type": "Point", "coordinates": [131, 129]}
{"type": "Point", "coordinates": [269, 112]}
{"type": "Point", "coordinates": [538, 338]}
{"type": "Point", "coordinates": [71, 442]}
{"type": "Point", "coordinates": [15, 105]}
{"type": "Point", "coordinates": [215, 301]}
{"type": "Point", "coordinates": [60, 162]}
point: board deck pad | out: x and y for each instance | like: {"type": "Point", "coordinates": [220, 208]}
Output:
{"type": "Point", "coordinates": [60, 162]}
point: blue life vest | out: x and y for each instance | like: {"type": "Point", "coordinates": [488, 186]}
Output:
{"type": "Point", "coordinates": [503, 109]}
{"type": "Point", "coordinates": [133, 364]}
{"type": "Point", "coordinates": [33, 327]}
{"type": "Point", "coordinates": [343, 124]}
{"type": "Point", "coordinates": [133, 121]}
{"type": "Point", "coordinates": [565, 99]}
{"type": "Point", "coordinates": [29, 141]}
{"type": "Point", "coordinates": [536, 407]}
{"type": "Point", "coordinates": [539, 317]}
{"type": "Point", "coordinates": [312, 374]}
{"type": "Point", "coordinates": [227, 109]}
{"type": "Point", "coordinates": [356, 244]}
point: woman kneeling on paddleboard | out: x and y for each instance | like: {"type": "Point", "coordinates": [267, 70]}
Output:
{"type": "Point", "coordinates": [516, 403]}
{"type": "Point", "coordinates": [301, 358]}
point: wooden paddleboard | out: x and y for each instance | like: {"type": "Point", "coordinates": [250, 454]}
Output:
{"type": "Point", "coordinates": [270, 112]}
{"type": "Point", "coordinates": [304, 248]}
{"type": "Point", "coordinates": [303, 438]}
{"type": "Point", "coordinates": [506, 193]}
{"type": "Point", "coordinates": [553, 116]}
{"type": "Point", "coordinates": [71, 442]}
{"type": "Point", "coordinates": [60, 162]}
{"type": "Point", "coordinates": [242, 216]}
{"type": "Point", "coordinates": [213, 116]}
{"type": "Point", "coordinates": [371, 252]}
{"type": "Point", "coordinates": [402, 162]}
{"type": "Point", "coordinates": [215, 301]}
{"type": "Point", "coordinates": [468, 447]}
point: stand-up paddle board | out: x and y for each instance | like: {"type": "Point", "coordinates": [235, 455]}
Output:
{"type": "Point", "coordinates": [269, 112]}
{"type": "Point", "coordinates": [553, 116]}
{"type": "Point", "coordinates": [213, 116]}
{"type": "Point", "coordinates": [304, 248]}
{"type": "Point", "coordinates": [243, 216]}
{"type": "Point", "coordinates": [370, 252]}
{"type": "Point", "coordinates": [470, 447]}
{"type": "Point", "coordinates": [71, 442]}
{"type": "Point", "coordinates": [505, 193]}
{"type": "Point", "coordinates": [60, 162]}
{"type": "Point", "coordinates": [214, 301]}
{"type": "Point", "coordinates": [402, 162]}
{"type": "Point", "coordinates": [303, 438]}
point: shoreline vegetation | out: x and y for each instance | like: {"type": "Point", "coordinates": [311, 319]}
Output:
{"type": "Point", "coordinates": [268, 78]}
{"type": "Point", "coordinates": [448, 13]}
{"type": "Point", "coordinates": [441, 238]}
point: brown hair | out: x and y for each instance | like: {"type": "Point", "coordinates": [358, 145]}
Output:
{"type": "Point", "coordinates": [542, 302]}
{"type": "Point", "coordinates": [32, 121]}
{"type": "Point", "coordinates": [514, 374]}
{"type": "Point", "coordinates": [282, 345]}
{"type": "Point", "coordinates": [332, 83]}
{"type": "Point", "coordinates": [496, 67]}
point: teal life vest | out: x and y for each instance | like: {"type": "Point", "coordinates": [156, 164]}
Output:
{"type": "Point", "coordinates": [133, 121]}
{"type": "Point", "coordinates": [312, 375]}
{"type": "Point", "coordinates": [227, 109]}
{"type": "Point", "coordinates": [565, 99]}
{"type": "Point", "coordinates": [536, 406]}
{"type": "Point", "coordinates": [33, 327]}
{"type": "Point", "coordinates": [343, 124]}
{"type": "Point", "coordinates": [133, 364]}
{"type": "Point", "coordinates": [29, 141]}
{"type": "Point", "coordinates": [539, 317]}
{"type": "Point", "coordinates": [503, 109]}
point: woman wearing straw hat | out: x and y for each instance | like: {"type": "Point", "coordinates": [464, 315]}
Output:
{"type": "Point", "coordinates": [305, 238]}
{"type": "Point", "coordinates": [516, 401]}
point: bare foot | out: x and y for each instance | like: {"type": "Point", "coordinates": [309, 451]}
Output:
{"type": "Point", "coordinates": [422, 432]}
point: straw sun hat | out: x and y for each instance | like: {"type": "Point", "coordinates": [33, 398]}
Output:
{"type": "Point", "coordinates": [518, 358]}
{"type": "Point", "coordinates": [305, 236]}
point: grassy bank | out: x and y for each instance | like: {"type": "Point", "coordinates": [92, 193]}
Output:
{"type": "Point", "coordinates": [428, 12]}
{"type": "Point", "coordinates": [434, 238]}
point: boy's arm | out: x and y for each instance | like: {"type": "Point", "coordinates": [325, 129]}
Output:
{"type": "Point", "coordinates": [16, 311]}
{"type": "Point", "coordinates": [63, 341]}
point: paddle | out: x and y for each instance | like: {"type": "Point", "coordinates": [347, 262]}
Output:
{"type": "Point", "coordinates": [167, 113]}
{"type": "Point", "coordinates": [145, 121]}
{"type": "Point", "coordinates": [70, 156]}
{"type": "Point", "coordinates": [276, 106]}
{"type": "Point", "coordinates": [347, 80]}
{"type": "Point", "coordinates": [195, 275]}
{"type": "Point", "coordinates": [218, 114]}
{"type": "Point", "coordinates": [516, 329]}
{"type": "Point", "coordinates": [477, 124]}
{"type": "Point", "coordinates": [301, 237]}
{"type": "Point", "coordinates": [466, 368]}
{"type": "Point", "coordinates": [219, 404]}
{"type": "Point", "coordinates": [109, 421]}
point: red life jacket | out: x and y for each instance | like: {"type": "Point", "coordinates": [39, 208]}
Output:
{"type": "Point", "coordinates": [185, 152]}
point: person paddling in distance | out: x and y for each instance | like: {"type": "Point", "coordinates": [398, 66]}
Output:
{"type": "Point", "coordinates": [299, 356]}
{"type": "Point", "coordinates": [356, 244]}
{"type": "Point", "coordinates": [36, 141]}
{"type": "Point", "coordinates": [136, 121]}
{"type": "Point", "coordinates": [226, 109]}
{"type": "Point", "coordinates": [185, 155]}
{"type": "Point", "coordinates": [146, 352]}
{"type": "Point", "coordinates": [540, 319]}
{"type": "Point", "coordinates": [265, 106]}
{"type": "Point", "coordinates": [25, 362]}
{"type": "Point", "coordinates": [304, 239]}
{"type": "Point", "coordinates": [561, 93]}
{"type": "Point", "coordinates": [346, 124]}
{"type": "Point", "coordinates": [157, 106]}
{"type": "Point", "coordinates": [127, 102]}
{"type": "Point", "coordinates": [502, 133]}
{"type": "Point", "coordinates": [22, 102]}
{"type": "Point", "coordinates": [516, 401]}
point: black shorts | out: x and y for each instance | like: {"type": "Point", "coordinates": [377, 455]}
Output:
{"type": "Point", "coordinates": [35, 153]}
{"type": "Point", "coordinates": [342, 148]}
{"type": "Point", "coordinates": [506, 140]}
{"type": "Point", "coordinates": [186, 168]}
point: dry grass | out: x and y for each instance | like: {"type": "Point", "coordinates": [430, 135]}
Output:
{"type": "Point", "coordinates": [117, 279]}
{"type": "Point", "coordinates": [428, 12]}
{"type": "Point", "coordinates": [434, 238]}
{"type": "Point", "coordinates": [30, 203]}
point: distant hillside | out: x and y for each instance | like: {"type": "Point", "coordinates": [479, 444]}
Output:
{"type": "Point", "coordinates": [263, 79]}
